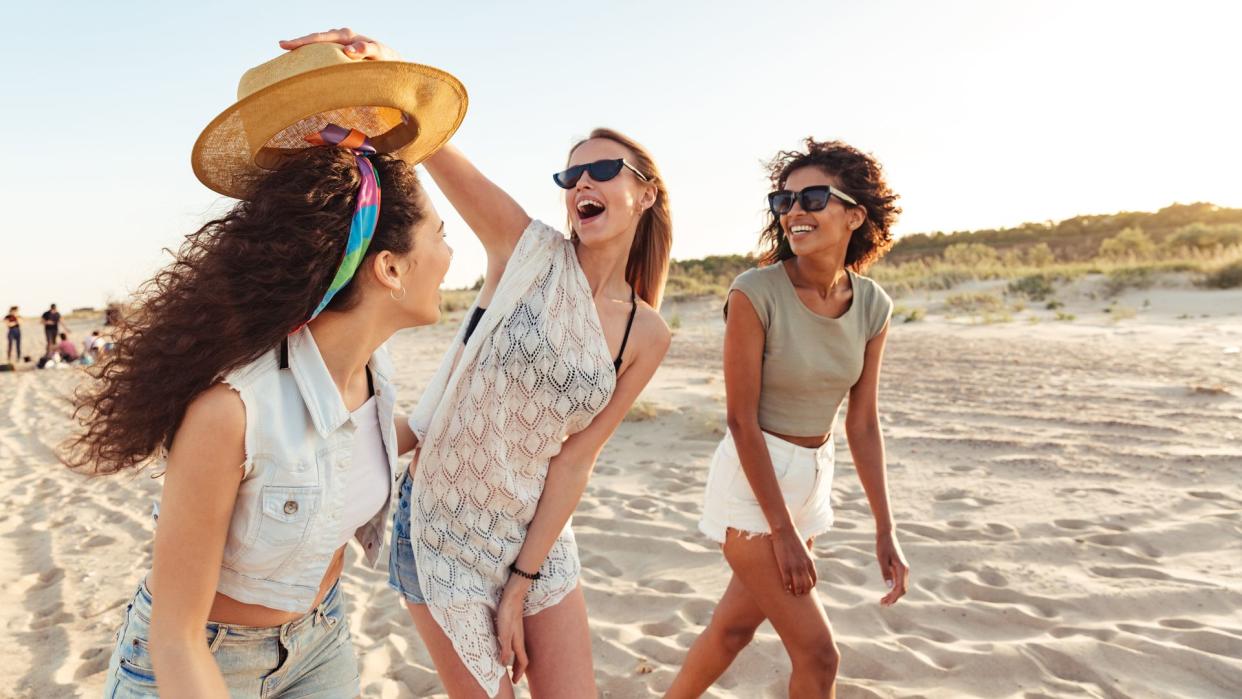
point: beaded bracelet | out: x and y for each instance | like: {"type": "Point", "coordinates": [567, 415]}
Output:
{"type": "Point", "coordinates": [518, 571]}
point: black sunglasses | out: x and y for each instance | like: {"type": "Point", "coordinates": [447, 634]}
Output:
{"type": "Point", "coordinates": [812, 199]}
{"type": "Point", "coordinates": [600, 171]}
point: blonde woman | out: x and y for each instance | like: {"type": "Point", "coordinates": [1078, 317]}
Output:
{"type": "Point", "coordinates": [562, 338]}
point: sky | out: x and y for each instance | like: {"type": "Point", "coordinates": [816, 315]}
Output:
{"type": "Point", "coordinates": [983, 113]}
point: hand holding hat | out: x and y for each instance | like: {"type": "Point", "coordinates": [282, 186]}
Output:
{"type": "Point", "coordinates": [335, 77]}
{"type": "Point", "coordinates": [355, 46]}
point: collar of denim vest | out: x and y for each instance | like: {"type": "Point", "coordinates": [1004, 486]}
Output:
{"type": "Point", "coordinates": [319, 392]}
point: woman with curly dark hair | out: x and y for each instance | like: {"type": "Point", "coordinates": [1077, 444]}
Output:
{"type": "Point", "coordinates": [802, 332]}
{"type": "Point", "coordinates": [254, 368]}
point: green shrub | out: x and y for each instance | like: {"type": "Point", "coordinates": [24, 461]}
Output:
{"type": "Point", "coordinates": [974, 303]}
{"type": "Point", "coordinates": [1202, 236]}
{"type": "Point", "coordinates": [1226, 276]}
{"type": "Point", "coordinates": [1035, 287]}
{"type": "Point", "coordinates": [1040, 255]}
{"type": "Point", "coordinates": [1130, 244]}
{"type": "Point", "coordinates": [1122, 278]}
{"type": "Point", "coordinates": [970, 254]}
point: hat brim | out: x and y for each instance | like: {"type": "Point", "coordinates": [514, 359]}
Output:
{"type": "Point", "coordinates": [407, 109]}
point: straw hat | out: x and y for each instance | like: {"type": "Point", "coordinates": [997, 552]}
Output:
{"type": "Point", "coordinates": [405, 108]}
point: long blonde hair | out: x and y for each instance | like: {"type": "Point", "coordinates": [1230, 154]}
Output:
{"type": "Point", "coordinates": [647, 268]}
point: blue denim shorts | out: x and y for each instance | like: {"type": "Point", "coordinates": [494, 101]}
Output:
{"type": "Point", "coordinates": [309, 657]}
{"type": "Point", "coordinates": [402, 571]}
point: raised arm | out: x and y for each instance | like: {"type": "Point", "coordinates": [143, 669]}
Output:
{"type": "Point", "coordinates": [491, 213]}
{"type": "Point", "coordinates": [494, 216]}
{"type": "Point", "coordinates": [200, 488]}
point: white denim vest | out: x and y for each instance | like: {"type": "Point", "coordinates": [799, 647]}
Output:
{"type": "Point", "coordinates": [299, 442]}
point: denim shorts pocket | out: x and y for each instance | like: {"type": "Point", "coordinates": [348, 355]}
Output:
{"type": "Point", "coordinates": [286, 514]}
{"type": "Point", "coordinates": [404, 571]}
{"type": "Point", "coordinates": [135, 666]}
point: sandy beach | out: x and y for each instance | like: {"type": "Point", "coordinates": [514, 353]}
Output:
{"type": "Point", "coordinates": [1069, 496]}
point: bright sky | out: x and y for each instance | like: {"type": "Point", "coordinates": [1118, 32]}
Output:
{"type": "Point", "coordinates": [984, 113]}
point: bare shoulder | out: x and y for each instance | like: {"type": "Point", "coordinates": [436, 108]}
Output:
{"type": "Point", "coordinates": [213, 429]}
{"type": "Point", "coordinates": [651, 333]}
{"type": "Point", "coordinates": [217, 408]}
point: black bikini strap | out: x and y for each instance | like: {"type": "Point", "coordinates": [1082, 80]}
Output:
{"type": "Point", "coordinates": [616, 365]}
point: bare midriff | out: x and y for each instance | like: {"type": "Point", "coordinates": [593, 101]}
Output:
{"type": "Point", "coordinates": [226, 610]}
{"type": "Point", "coordinates": [807, 442]}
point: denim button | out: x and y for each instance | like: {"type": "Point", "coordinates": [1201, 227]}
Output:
{"type": "Point", "coordinates": [290, 507]}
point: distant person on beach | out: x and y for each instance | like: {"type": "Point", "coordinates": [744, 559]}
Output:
{"type": "Point", "coordinates": [51, 326]}
{"type": "Point", "coordinates": [13, 326]}
{"type": "Point", "coordinates": [254, 370]}
{"type": "Point", "coordinates": [560, 341]}
{"type": "Point", "coordinates": [93, 344]}
{"type": "Point", "coordinates": [802, 332]}
{"type": "Point", "coordinates": [68, 351]}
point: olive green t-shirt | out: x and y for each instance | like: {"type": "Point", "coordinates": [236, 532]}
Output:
{"type": "Point", "coordinates": [810, 361]}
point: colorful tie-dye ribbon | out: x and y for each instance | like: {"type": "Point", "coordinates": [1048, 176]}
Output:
{"type": "Point", "coordinates": [366, 211]}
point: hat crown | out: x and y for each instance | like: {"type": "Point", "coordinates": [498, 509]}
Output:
{"type": "Point", "coordinates": [290, 63]}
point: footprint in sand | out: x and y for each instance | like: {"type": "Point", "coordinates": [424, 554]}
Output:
{"type": "Point", "coordinates": [1097, 634]}
{"type": "Point", "coordinates": [1210, 641]}
{"type": "Point", "coordinates": [1125, 572]}
{"type": "Point", "coordinates": [1180, 624]}
{"type": "Point", "coordinates": [1124, 542]}
{"type": "Point", "coordinates": [94, 660]}
{"type": "Point", "coordinates": [672, 587]}
{"type": "Point", "coordinates": [839, 573]}
{"type": "Point", "coordinates": [44, 620]}
{"type": "Point", "coordinates": [1207, 495]}
{"type": "Point", "coordinates": [697, 611]}
{"type": "Point", "coordinates": [1074, 524]}
{"type": "Point", "coordinates": [987, 576]}
{"type": "Point", "coordinates": [643, 504]}
{"type": "Point", "coordinates": [660, 628]}
{"type": "Point", "coordinates": [51, 575]}
{"type": "Point", "coordinates": [601, 565]}
{"type": "Point", "coordinates": [990, 577]}
{"type": "Point", "coordinates": [999, 529]}
{"type": "Point", "coordinates": [689, 508]}
{"type": "Point", "coordinates": [962, 589]}
{"type": "Point", "coordinates": [957, 496]}
{"type": "Point", "coordinates": [99, 540]}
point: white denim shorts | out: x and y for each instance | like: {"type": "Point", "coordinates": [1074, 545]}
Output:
{"type": "Point", "coordinates": [805, 477]}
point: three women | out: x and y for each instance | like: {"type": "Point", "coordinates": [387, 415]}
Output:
{"type": "Point", "coordinates": [563, 337]}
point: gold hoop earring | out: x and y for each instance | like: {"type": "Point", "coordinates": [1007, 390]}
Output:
{"type": "Point", "coordinates": [395, 297]}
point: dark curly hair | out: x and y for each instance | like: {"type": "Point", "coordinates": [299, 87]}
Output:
{"type": "Point", "coordinates": [236, 287]}
{"type": "Point", "coordinates": [861, 176]}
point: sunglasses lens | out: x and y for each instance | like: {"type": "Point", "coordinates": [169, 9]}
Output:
{"type": "Point", "coordinates": [814, 198]}
{"type": "Point", "coordinates": [781, 202]}
{"type": "Point", "coordinates": [604, 170]}
{"type": "Point", "coordinates": [567, 178]}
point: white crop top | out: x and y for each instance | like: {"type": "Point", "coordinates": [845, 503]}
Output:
{"type": "Point", "coordinates": [366, 478]}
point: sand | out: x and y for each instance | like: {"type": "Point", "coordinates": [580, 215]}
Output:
{"type": "Point", "coordinates": [1068, 494]}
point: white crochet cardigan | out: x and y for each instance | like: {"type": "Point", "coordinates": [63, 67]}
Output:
{"type": "Point", "coordinates": [536, 370]}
